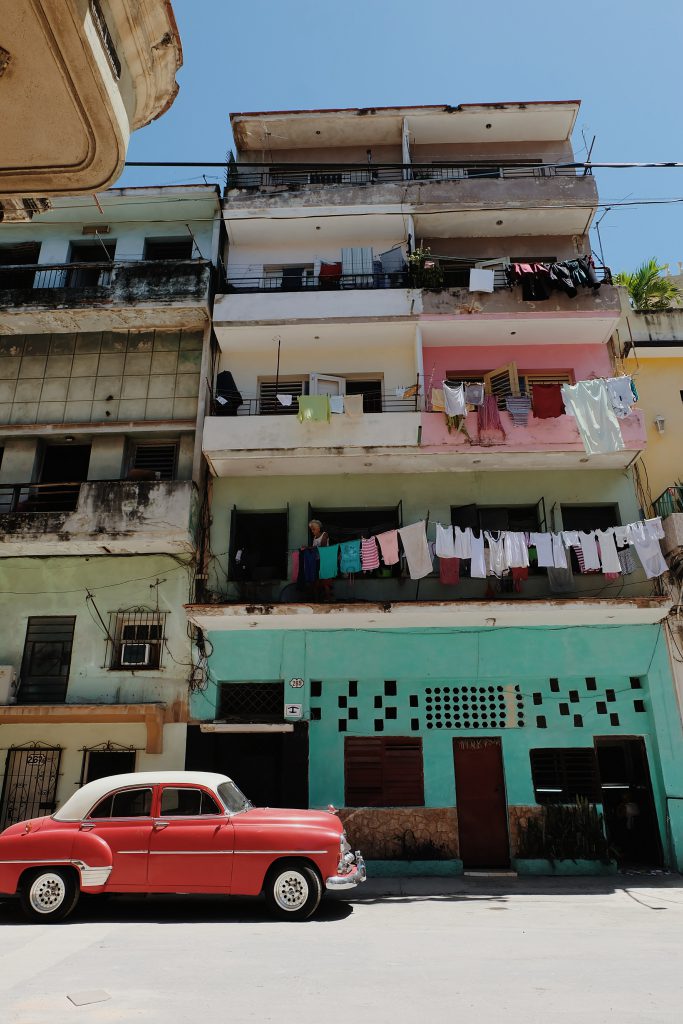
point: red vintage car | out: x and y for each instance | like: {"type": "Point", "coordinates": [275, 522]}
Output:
{"type": "Point", "coordinates": [174, 832]}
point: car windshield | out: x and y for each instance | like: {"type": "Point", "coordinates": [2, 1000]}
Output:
{"type": "Point", "coordinates": [233, 798]}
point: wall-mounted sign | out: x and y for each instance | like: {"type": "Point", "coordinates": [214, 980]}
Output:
{"type": "Point", "coordinates": [296, 684]}
{"type": "Point", "coordinates": [294, 711]}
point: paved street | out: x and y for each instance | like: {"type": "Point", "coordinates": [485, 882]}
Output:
{"type": "Point", "coordinates": [470, 949]}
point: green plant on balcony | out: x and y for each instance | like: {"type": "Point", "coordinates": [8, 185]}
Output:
{"type": "Point", "coordinates": [564, 832]}
{"type": "Point", "coordinates": [647, 289]}
{"type": "Point", "coordinates": [424, 269]}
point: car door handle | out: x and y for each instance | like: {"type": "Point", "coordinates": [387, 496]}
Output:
{"type": "Point", "coordinates": [158, 825]}
{"type": "Point", "coordinates": [85, 826]}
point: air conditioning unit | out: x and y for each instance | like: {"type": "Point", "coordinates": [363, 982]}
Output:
{"type": "Point", "coordinates": [133, 654]}
{"type": "Point", "coordinates": [7, 684]}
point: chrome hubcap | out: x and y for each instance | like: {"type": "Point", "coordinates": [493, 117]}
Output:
{"type": "Point", "coordinates": [291, 890]}
{"type": "Point", "coordinates": [47, 893]}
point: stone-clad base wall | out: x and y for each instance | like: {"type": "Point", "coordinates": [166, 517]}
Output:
{"type": "Point", "coordinates": [388, 833]}
{"type": "Point", "coordinates": [518, 817]}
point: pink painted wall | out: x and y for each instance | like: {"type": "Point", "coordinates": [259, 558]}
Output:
{"type": "Point", "coordinates": [552, 435]}
{"type": "Point", "coordinates": [581, 360]}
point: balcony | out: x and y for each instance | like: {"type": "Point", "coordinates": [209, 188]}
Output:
{"type": "Point", "coordinates": [555, 195]}
{"type": "Point", "coordinates": [102, 516]}
{"type": "Point", "coordinates": [542, 444]}
{"type": "Point", "coordinates": [669, 506]}
{"type": "Point", "coordinates": [452, 316]}
{"type": "Point", "coordinates": [251, 444]}
{"type": "Point", "coordinates": [104, 296]}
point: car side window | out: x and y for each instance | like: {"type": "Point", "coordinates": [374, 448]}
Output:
{"type": "Point", "coordinates": [129, 803]}
{"type": "Point", "coordinates": [187, 803]}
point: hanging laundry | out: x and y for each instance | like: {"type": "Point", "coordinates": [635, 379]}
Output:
{"type": "Point", "coordinates": [474, 393]}
{"type": "Point", "coordinates": [589, 550]}
{"type": "Point", "coordinates": [559, 551]}
{"type": "Point", "coordinates": [534, 279]}
{"type": "Point", "coordinates": [621, 535]}
{"type": "Point", "coordinates": [627, 561]}
{"type": "Point", "coordinates": [516, 549]}
{"type": "Point", "coordinates": [449, 571]}
{"type": "Point", "coordinates": [438, 400]}
{"type": "Point", "coordinates": [329, 557]}
{"type": "Point", "coordinates": [609, 557]}
{"type": "Point", "coordinates": [462, 542]}
{"type": "Point", "coordinates": [519, 407]}
{"type": "Point", "coordinates": [621, 395]}
{"type": "Point", "coordinates": [294, 570]}
{"type": "Point", "coordinates": [481, 280]}
{"type": "Point", "coordinates": [353, 406]}
{"type": "Point", "coordinates": [498, 560]}
{"type": "Point", "coordinates": [561, 581]}
{"type": "Point", "coordinates": [368, 554]}
{"type": "Point", "coordinates": [310, 564]}
{"type": "Point", "coordinates": [454, 399]}
{"type": "Point", "coordinates": [445, 547]}
{"type": "Point", "coordinates": [562, 279]}
{"type": "Point", "coordinates": [412, 391]}
{"type": "Point", "coordinates": [547, 401]}
{"type": "Point", "coordinates": [400, 391]}
{"type": "Point", "coordinates": [350, 556]}
{"type": "Point", "coordinates": [645, 537]}
{"type": "Point", "coordinates": [388, 545]}
{"type": "Point", "coordinates": [589, 402]}
{"type": "Point", "coordinates": [314, 408]}
{"type": "Point", "coordinates": [488, 417]}
{"type": "Point", "coordinates": [414, 540]}
{"type": "Point", "coordinates": [285, 400]}
{"type": "Point", "coordinates": [519, 574]}
{"type": "Point", "coordinates": [543, 543]}
{"type": "Point", "coordinates": [634, 389]}
{"type": "Point", "coordinates": [478, 562]}
{"type": "Point", "coordinates": [337, 404]}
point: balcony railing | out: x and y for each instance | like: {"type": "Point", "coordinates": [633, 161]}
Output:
{"type": "Point", "coordinates": [669, 501]}
{"type": "Point", "coordinates": [268, 405]}
{"type": "Point", "coordinates": [244, 283]}
{"type": "Point", "coordinates": [255, 176]}
{"type": "Point", "coordinates": [110, 276]}
{"type": "Point", "coordinates": [30, 498]}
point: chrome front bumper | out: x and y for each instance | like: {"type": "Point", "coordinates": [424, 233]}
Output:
{"type": "Point", "coordinates": [351, 879]}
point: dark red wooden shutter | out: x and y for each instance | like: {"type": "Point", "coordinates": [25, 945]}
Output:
{"type": "Point", "coordinates": [383, 772]}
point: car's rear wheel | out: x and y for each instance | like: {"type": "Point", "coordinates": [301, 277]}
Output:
{"type": "Point", "coordinates": [49, 894]}
{"type": "Point", "coordinates": [293, 890]}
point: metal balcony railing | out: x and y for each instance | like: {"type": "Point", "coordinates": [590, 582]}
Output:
{"type": "Point", "coordinates": [254, 176]}
{"type": "Point", "coordinates": [82, 276]}
{"type": "Point", "coordinates": [241, 282]}
{"type": "Point", "coordinates": [31, 498]}
{"type": "Point", "coordinates": [669, 501]}
{"type": "Point", "coordinates": [268, 404]}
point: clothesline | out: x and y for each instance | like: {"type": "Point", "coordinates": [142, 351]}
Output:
{"type": "Point", "coordinates": [489, 552]}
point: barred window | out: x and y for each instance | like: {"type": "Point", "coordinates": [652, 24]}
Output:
{"type": "Point", "coordinates": [136, 640]}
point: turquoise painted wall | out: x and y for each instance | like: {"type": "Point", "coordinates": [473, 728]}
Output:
{"type": "Point", "coordinates": [422, 660]}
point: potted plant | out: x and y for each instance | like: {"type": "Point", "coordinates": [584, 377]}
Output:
{"type": "Point", "coordinates": [564, 839]}
{"type": "Point", "coordinates": [424, 269]}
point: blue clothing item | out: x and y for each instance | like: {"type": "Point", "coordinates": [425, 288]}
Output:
{"type": "Point", "coordinates": [310, 560]}
{"type": "Point", "coordinates": [350, 556]}
{"type": "Point", "coordinates": [328, 562]}
{"type": "Point", "coordinates": [633, 389]}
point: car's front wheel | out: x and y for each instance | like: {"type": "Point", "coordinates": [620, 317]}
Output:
{"type": "Point", "coordinates": [293, 890]}
{"type": "Point", "coordinates": [49, 894]}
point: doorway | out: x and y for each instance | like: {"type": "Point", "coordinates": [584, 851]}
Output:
{"type": "Point", "coordinates": [481, 803]}
{"type": "Point", "coordinates": [628, 802]}
{"type": "Point", "coordinates": [30, 784]}
{"type": "Point", "coordinates": [64, 469]}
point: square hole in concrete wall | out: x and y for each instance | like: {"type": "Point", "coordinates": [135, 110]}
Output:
{"type": "Point", "coordinates": [316, 688]}
{"type": "Point", "coordinates": [353, 713]}
{"type": "Point", "coordinates": [639, 706]}
{"type": "Point", "coordinates": [614, 719]}
{"type": "Point", "coordinates": [538, 698]}
{"type": "Point", "coordinates": [578, 721]}
{"type": "Point", "coordinates": [636, 683]}
{"type": "Point", "coordinates": [555, 685]}
{"type": "Point", "coordinates": [379, 725]}
{"type": "Point", "coordinates": [541, 722]}
{"type": "Point", "coordinates": [389, 687]}
{"type": "Point", "coordinates": [341, 701]}
{"type": "Point", "coordinates": [415, 724]}
{"type": "Point", "coordinates": [574, 696]}
{"type": "Point", "coordinates": [316, 714]}
{"type": "Point", "coordinates": [353, 688]}
{"type": "Point", "coordinates": [378, 702]}
{"type": "Point", "coordinates": [610, 696]}
{"type": "Point", "coordinates": [564, 709]}
{"type": "Point", "coordinates": [601, 707]}
{"type": "Point", "coordinates": [342, 725]}
{"type": "Point", "coordinates": [591, 683]}
{"type": "Point", "coordinates": [391, 713]}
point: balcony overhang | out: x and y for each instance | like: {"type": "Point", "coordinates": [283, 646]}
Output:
{"type": "Point", "coordinates": [152, 716]}
{"type": "Point", "coordinates": [341, 306]}
{"type": "Point", "coordinates": [430, 614]}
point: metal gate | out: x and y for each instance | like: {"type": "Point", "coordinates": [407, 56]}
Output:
{"type": "Point", "coordinates": [30, 784]}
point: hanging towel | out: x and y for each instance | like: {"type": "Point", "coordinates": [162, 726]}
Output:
{"type": "Point", "coordinates": [350, 556]}
{"type": "Point", "coordinates": [488, 417]}
{"type": "Point", "coordinates": [314, 408]}
{"type": "Point", "coordinates": [454, 399]}
{"type": "Point", "coordinates": [285, 399]}
{"type": "Point", "coordinates": [444, 541]}
{"type": "Point", "coordinates": [310, 564]}
{"type": "Point", "coordinates": [388, 545]}
{"type": "Point", "coordinates": [328, 562]}
{"type": "Point", "coordinates": [561, 581]}
{"type": "Point", "coordinates": [599, 428]}
{"type": "Point", "coordinates": [368, 554]}
{"type": "Point", "coordinates": [414, 540]}
{"type": "Point", "coordinates": [519, 407]}
{"type": "Point", "coordinates": [449, 570]}
{"type": "Point", "coordinates": [438, 400]}
{"type": "Point", "coordinates": [478, 563]}
{"type": "Point", "coordinates": [474, 393]}
{"type": "Point", "coordinates": [547, 401]}
{"type": "Point", "coordinates": [337, 404]}
{"type": "Point", "coordinates": [353, 406]}
{"type": "Point", "coordinates": [621, 395]}
{"type": "Point", "coordinates": [481, 280]}
{"type": "Point", "coordinates": [609, 557]}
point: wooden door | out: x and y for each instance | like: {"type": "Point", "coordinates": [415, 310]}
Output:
{"type": "Point", "coordinates": [481, 803]}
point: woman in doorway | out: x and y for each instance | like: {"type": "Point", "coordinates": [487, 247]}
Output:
{"type": "Point", "coordinates": [322, 588]}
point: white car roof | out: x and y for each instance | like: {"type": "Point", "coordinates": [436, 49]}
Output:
{"type": "Point", "coordinates": [78, 805]}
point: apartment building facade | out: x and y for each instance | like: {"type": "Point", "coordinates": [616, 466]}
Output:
{"type": "Point", "coordinates": [439, 715]}
{"type": "Point", "coordinates": [104, 337]}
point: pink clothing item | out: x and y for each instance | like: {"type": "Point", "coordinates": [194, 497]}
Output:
{"type": "Point", "coordinates": [388, 545]}
{"type": "Point", "coordinates": [369, 558]}
{"type": "Point", "coordinates": [294, 575]}
{"type": "Point", "coordinates": [449, 570]}
{"type": "Point", "coordinates": [488, 417]}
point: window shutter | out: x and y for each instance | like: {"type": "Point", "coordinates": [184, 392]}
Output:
{"type": "Point", "coordinates": [501, 382]}
{"type": "Point", "coordinates": [268, 391]}
{"type": "Point", "coordinates": [383, 772]}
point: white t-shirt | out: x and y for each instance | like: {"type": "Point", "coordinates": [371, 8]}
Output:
{"type": "Point", "coordinates": [444, 541]}
{"type": "Point", "coordinates": [608, 551]}
{"type": "Point", "coordinates": [589, 550]}
{"type": "Point", "coordinates": [645, 539]}
{"type": "Point", "coordinates": [462, 542]}
{"type": "Point", "coordinates": [516, 550]}
{"type": "Point", "coordinates": [559, 551]}
{"type": "Point", "coordinates": [543, 543]}
{"type": "Point", "coordinates": [478, 565]}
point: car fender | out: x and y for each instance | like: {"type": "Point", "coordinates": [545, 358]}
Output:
{"type": "Point", "coordinates": [258, 849]}
{"type": "Point", "coordinates": [22, 851]}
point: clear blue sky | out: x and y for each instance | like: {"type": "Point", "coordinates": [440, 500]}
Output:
{"type": "Point", "coordinates": [621, 58]}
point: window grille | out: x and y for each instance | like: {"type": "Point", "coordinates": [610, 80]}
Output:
{"type": "Point", "coordinates": [136, 640]}
{"type": "Point", "coordinates": [269, 389]}
{"type": "Point", "coordinates": [105, 37]}
{"type": "Point", "coordinates": [157, 461]}
{"type": "Point", "coordinates": [251, 702]}
{"type": "Point", "coordinates": [560, 776]}
{"type": "Point", "coordinates": [47, 659]}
